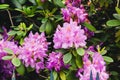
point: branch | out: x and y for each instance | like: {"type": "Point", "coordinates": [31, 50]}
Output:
{"type": "Point", "coordinates": [10, 17]}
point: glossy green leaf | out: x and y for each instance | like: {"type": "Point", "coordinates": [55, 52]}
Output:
{"type": "Point", "coordinates": [4, 6]}
{"type": "Point", "coordinates": [48, 28]}
{"type": "Point", "coordinates": [17, 4]}
{"type": "Point", "coordinates": [78, 61]}
{"type": "Point", "coordinates": [9, 51]}
{"type": "Point", "coordinates": [117, 9]}
{"type": "Point", "coordinates": [21, 69]}
{"type": "Point", "coordinates": [113, 23]}
{"type": "Point", "coordinates": [59, 3]}
{"type": "Point", "coordinates": [22, 1]}
{"type": "Point", "coordinates": [117, 16]}
{"type": "Point", "coordinates": [29, 69]}
{"type": "Point", "coordinates": [62, 76]}
{"type": "Point", "coordinates": [12, 33]}
{"type": "Point", "coordinates": [108, 59]}
{"type": "Point", "coordinates": [30, 27]}
{"type": "Point", "coordinates": [19, 33]}
{"type": "Point", "coordinates": [89, 26]}
{"type": "Point", "coordinates": [43, 26]}
{"type": "Point", "coordinates": [55, 75]}
{"type": "Point", "coordinates": [16, 62]}
{"type": "Point", "coordinates": [80, 51]}
{"type": "Point", "coordinates": [67, 57]}
{"type": "Point", "coordinates": [7, 57]}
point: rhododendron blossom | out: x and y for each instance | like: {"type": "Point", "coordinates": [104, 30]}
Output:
{"type": "Point", "coordinates": [77, 14]}
{"type": "Point", "coordinates": [75, 3]}
{"type": "Point", "coordinates": [97, 65]}
{"type": "Point", "coordinates": [55, 61]}
{"type": "Point", "coordinates": [33, 51]}
{"type": "Point", "coordinates": [6, 67]}
{"type": "Point", "coordinates": [70, 35]}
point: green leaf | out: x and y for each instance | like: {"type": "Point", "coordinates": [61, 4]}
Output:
{"type": "Point", "coordinates": [108, 59]}
{"type": "Point", "coordinates": [78, 61]}
{"type": "Point", "coordinates": [59, 3]}
{"type": "Point", "coordinates": [113, 23]}
{"type": "Point", "coordinates": [33, 1]}
{"type": "Point", "coordinates": [16, 62]}
{"type": "Point", "coordinates": [7, 57]}
{"type": "Point", "coordinates": [55, 75]}
{"type": "Point", "coordinates": [89, 26]}
{"type": "Point", "coordinates": [117, 9]}
{"type": "Point", "coordinates": [67, 57]}
{"type": "Point", "coordinates": [19, 33]}
{"type": "Point", "coordinates": [9, 51]}
{"type": "Point", "coordinates": [43, 26]}
{"type": "Point", "coordinates": [117, 16]}
{"type": "Point", "coordinates": [12, 33]}
{"type": "Point", "coordinates": [62, 76]}
{"type": "Point", "coordinates": [21, 69]}
{"type": "Point", "coordinates": [17, 4]}
{"type": "Point", "coordinates": [29, 69]}
{"type": "Point", "coordinates": [22, 1]}
{"type": "Point", "coordinates": [48, 28]}
{"type": "Point", "coordinates": [30, 27]}
{"type": "Point", "coordinates": [114, 73]}
{"type": "Point", "coordinates": [4, 6]}
{"type": "Point", "coordinates": [80, 51]}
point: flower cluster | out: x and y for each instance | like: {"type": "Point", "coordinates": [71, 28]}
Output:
{"type": "Point", "coordinates": [88, 33]}
{"type": "Point", "coordinates": [75, 11]}
{"type": "Point", "coordinates": [55, 61]}
{"type": "Point", "coordinates": [70, 35]}
{"type": "Point", "coordinates": [96, 66]}
{"type": "Point", "coordinates": [75, 3]}
{"type": "Point", "coordinates": [33, 51]}
{"type": "Point", "coordinates": [6, 67]}
{"type": "Point", "coordinates": [7, 44]}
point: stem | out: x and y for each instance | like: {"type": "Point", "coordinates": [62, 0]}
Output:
{"type": "Point", "coordinates": [43, 76]}
{"type": "Point", "coordinates": [10, 17]}
{"type": "Point", "coordinates": [118, 1]}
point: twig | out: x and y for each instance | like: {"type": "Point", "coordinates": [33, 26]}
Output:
{"type": "Point", "coordinates": [42, 76]}
{"type": "Point", "coordinates": [10, 17]}
{"type": "Point", "coordinates": [118, 1]}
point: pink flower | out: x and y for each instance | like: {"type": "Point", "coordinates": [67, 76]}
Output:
{"type": "Point", "coordinates": [33, 51]}
{"type": "Point", "coordinates": [70, 35]}
{"type": "Point", "coordinates": [55, 61]}
{"type": "Point", "coordinates": [78, 14]}
{"type": "Point", "coordinates": [6, 67]}
{"type": "Point", "coordinates": [8, 44]}
{"type": "Point", "coordinates": [73, 2]}
{"type": "Point", "coordinates": [97, 65]}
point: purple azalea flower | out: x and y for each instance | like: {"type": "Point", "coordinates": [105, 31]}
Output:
{"type": "Point", "coordinates": [75, 3]}
{"type": "Point", "coordinates": [97, 65]}
{"type": "Point", "coordinates": [70, 35]}
{"type": "Point", "coordinates": [55, 61]}
{"type": "Point", "coordinates": [6, 67]}
{"type": "Point", "coordinates": [88, 33]}
{"type": "Point", "coordinates": [33, 51]}
{"type": "Point", "coordinates": [5, 35]}
{"type": "Point", "coordinates": [78, 14]}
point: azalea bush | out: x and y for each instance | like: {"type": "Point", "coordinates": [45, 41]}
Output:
{"type": "Point", "coordinates": [59, 40]}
